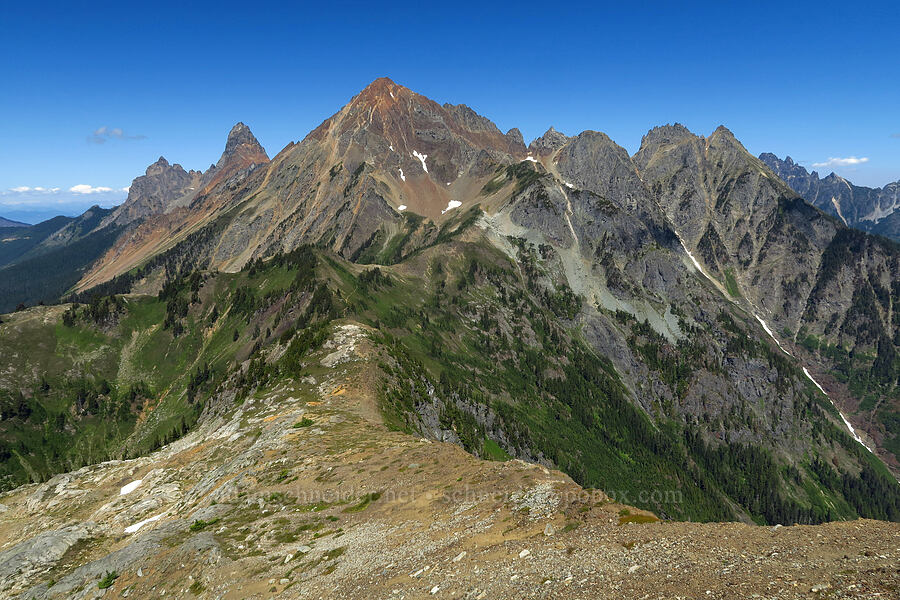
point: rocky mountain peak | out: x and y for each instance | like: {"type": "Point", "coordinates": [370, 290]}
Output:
{"type": "Point", "coordinates": [789, 170]}
{"type": "Point", "coordinates": [551, 141]}
{"type": "Point", "coordinates": [723, 140]}
{"type": "Point", "coordinates": [721, 130]}
{"type": "Point", "coordinates": [515, 135]}
{"type": "Point", "coordinates": [162, 187]}
{"type": "Point", "coordinates": [382, 86]}
{"type": "Point", "coordinates": [384, 96]}
{"type": "Point", "coordinates": [869, 209]}
{"type": "Point", "coordinates": [666, 134]}
{"type": "Point", "coordinates": [242, 145]}
{"type": "Point", "coordinates": [159, 166]}
{"type": "Point", "coordinates": [420, 146]}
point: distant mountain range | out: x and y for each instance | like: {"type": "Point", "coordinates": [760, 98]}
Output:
{"type": "Point", "coordinates": [869, 209]}
{"type": "Point", "coordinates": [9, 223]}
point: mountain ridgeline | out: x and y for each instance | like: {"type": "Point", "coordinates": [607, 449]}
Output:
{"type": "Point", "coordinates": [677, 327]}
{"type": "Point", "coordinates": [869, 209]}
{"type": "Point", "coordinates": [4, 223]}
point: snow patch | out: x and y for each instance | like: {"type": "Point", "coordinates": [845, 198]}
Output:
{"type": "Point", "coordinates": [531, 158]}
{"type": "Point", "coordinates": [771, 335]}
{"type": "Point", "coordinates": [391, 147]}
{"type": "Point", "coordinates": [136, 526]}
{"type": "Point", "coordinates": [422, 158]}
{"type": "Point", "coordinates": [843, 418]}
{"type": "Point", "coordinates": [128, 488]}
{"type": "Point", "coordinates": [401, 208]}
{"type": "Point", "coordinates": [402, 176]}
{"type": "Point", "coordinates": [694, 260]}
{"type": "Point", "coordinates": [451, 205]}
{"type": "Point", "coordinates": [805, 372]}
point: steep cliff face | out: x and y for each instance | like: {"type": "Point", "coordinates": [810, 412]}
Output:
{"type": "Point", "coordinates": [753, 232]}
{"type": "Point", "coordinates": [168, 203]}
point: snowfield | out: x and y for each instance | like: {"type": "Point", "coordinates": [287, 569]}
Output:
{"type": "Point", "coordinates": [130, 487]}
{"type": "Point", "coordinates": [422, 158]}
{"type": "Point", "coordinates": [139, 524]}
{"type": "Point", "coordinates": [451, 205]}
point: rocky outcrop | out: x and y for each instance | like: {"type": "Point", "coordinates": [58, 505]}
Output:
{"type": "Point", "coordinates": [162, 188]}
{"type": "Point", "coordinates": [35, 555]}
{"type": "Point", "coordinates": [345, 185]}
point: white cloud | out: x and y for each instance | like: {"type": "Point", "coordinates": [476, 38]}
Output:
{"type": "Point", "coordinates": [24, 189]}
{"type": "Point", "coordinates": [103, 134]}
{"type": "Point", "coordinates": [842, 162]}
{"type": "Point", "coordinates": [83, 188]}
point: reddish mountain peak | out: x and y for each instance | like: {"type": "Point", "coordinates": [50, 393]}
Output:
{"type": "Point", "coordinates": [383, 86]}
{"type": "Point", "coordinates": [383, 96]}
{"type": "Point", "coordinates": [242, 146]}
{"type": "Point", "coordinates": [242, 151]}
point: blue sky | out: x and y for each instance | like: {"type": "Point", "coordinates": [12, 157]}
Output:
{"type": "Point", "coordinates": [817, 80]}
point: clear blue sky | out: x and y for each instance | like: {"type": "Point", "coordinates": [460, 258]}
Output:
{"type": "Point", "coordinates": [813, 80]}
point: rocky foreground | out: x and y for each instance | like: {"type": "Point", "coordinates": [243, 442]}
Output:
{"type": "Point", "coordinates": [302, 492]}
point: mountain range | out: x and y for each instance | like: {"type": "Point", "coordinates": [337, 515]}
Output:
{"type": "Point", "coordinates": [9, 223]}
{"type": "Point", "coordinates": [679, 319]}
{"type": "Point", "coordinates": [869, 209]}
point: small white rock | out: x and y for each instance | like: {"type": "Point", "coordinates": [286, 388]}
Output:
{"type": "Point", "coordinates": [459, 556]}
{"type": "Point", "coordinates": [524, 553]}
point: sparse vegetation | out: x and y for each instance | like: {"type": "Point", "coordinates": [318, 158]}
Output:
{"type": "Point", "coordinates": [107, 580]}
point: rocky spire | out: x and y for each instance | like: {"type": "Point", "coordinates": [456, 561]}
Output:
{"type": "Point", "coordinates": [551, 141]}
{"type": "Point", "coordinates": [242, 147]}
